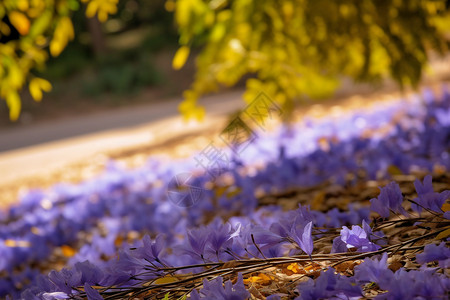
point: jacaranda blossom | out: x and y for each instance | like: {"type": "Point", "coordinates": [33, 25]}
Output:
{"type": "Point", "coordinates": [390, 198]}
{"type": "Point", "coordinates": [357, 237]}
{"type": "Point", "coordinates": [374, 270]}
{"type": "Point", "coordinates": [303, 238]}
{"type": "Point", "coordinates": [427, 197]}
{"type": "Point", "coordinates": [216, 290]}
{"type": "Point", "coordinates": [329, 286]}
{"type": "Point", "coordinates": [432, 252]}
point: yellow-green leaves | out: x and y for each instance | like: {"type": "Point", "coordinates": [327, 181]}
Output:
{"type": "Point", "coordinates": [14, 105]}
{"type": "Point", "coordinates": [189, 108]}
{"type": "Point", "coordinates": [218, 32]}
{"type": "Point", "coordinates": [11, 80]}
{"type": "Point", "coordinates": [180, 57]}
{"type": "Point", "coordinates": [193, 18]}
{"type": "Point", "coordinates": [15, 76]}
{"type": "Point", "coordinates": [22, 5]}
{"type": "Point", "coordinates": [20, 22]}
{"type": "Point", "coordinates": [101, 8]}
{"type": "Point", "coordinates": [299, 48]}
{"type": "Point", "coordinates": [63, 34]}
{"type": "Point", "coordinates": [44, 26]}
{"type": "Point", "coordinates": [36, 86]}
{"type": "Point", "coordinates": [41, 24]}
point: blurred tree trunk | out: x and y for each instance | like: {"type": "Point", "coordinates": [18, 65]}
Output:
{"type": "Point", "coordinates": [97, 36]}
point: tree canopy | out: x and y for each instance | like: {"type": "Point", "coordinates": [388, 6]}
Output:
{"type": "Point", "coordinates": [298, 48]}
{"type": "Point", "coordinates": [288, 48]}
{"type": "Point", "coordinates": [30, 30]}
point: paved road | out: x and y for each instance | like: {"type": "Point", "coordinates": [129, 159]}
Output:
{"type": "Point", "coordinates": [27, 151]}
{"type": "Point", "coordinates": [124, 117]}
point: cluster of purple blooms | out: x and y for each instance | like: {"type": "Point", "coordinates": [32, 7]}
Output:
{"type": "Point", "coordinates": [423, 283]}
{"type": "Point", "coordinates": [98, 212]}
{"type": "Point", "coordinates": [358, 237]}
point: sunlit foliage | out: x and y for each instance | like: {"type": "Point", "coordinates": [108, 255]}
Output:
{"type": "Point", "coordinates": [297, 48]}
{"type": "Point", "coordinates": [30, 30]}
{"type": "Point", "coordinates": [291, 49]}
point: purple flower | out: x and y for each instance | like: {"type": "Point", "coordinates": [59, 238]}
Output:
{"type": "Point", "coordinates": [89, 273]}
{"type": "Point", "coordinates": [43, 284]}
{"type": "Point", "coordinates": [447, 215]}
{"type": "Point", "coordinates": [197, 239]}
{"type": "Point", "coordinates": [329, 286]}
{"type": "Point", "coordinates": [194, 295]}
{"type": "Point", "coordinates": [432, 252]}
{"type": "Point", "coordinates": [65, 280]}
{"type": "Point", "coordinates": [427, 197]}
{"type": "Point", "coordinates": [338, 245]}
{"type": "Point", "coordinates": [92, 294]}
{"type": "Point", "coordinates": [303, 215]}
{"type": "Point", "coordinates": [303, 238]}
{"type": "Point", "coordinates": [366, 228]}
{"type": "Point", "coordinates": [271, 251]}
{"type": "Point", "coordinates": [241, 237]}
{"type": "Point", "coordinates": [126, 263]}
{"type": "Point", "coordinates": [115, 276]}
{"type": "Point", "coordinates": [357, 238]}
{"type": "Point", "coordinates": [219, 238]}
{"type": "Point", "coordinates": [269, 243]}
{"type": "Point", "coordinates": [280, 230]}
{"type": "Point", "coordinates": [151, 249]}
{"type": "Point", "coordinates": [55, 295]}
{"type": "Point", "coordinates": [390, 198]}
{"type": "Point", "coordinates": [374, 270]}
{"type": "Point", "coordinates": [215, 290]}
{"type": "Point", "coordinates": [86, 252]}
{"type": "Point", "coordinates": [415, 284]}
{"type": "Point", "coordinates": [443, 116]}
{"type": "Point", "coordinates": [268, 237]}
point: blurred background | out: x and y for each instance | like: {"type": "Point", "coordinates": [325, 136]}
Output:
{"type": "Point", "coordinates": [107, 53]}
{"type": "Point", "coordinates": [124, 60]}
{"type": "Point", "coordinates": [88, 80]}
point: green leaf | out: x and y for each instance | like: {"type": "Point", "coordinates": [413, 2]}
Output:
{"type": "Point", "coordinates": [41, 24]}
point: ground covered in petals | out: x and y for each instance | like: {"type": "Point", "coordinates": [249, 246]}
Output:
{"type": "Point", "coordinates": [348, 208]}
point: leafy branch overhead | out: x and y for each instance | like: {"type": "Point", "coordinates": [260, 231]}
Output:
{"type": "Point", "coordinates": [29, 31]}
{"type": "Point", "coordinates": [290, 48]}
{"type": "Point", "coordinates": [298, 48]}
